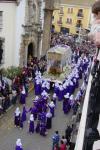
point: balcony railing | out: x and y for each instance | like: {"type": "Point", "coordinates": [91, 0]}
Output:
{"type": "Point", "coordinates": [80, 15]}
{"type": "Point", "coordinates": [78, 25]}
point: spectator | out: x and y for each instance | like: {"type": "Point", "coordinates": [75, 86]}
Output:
{"type": "Point", "coordinates": [64, 139]}
{"type": "Point", "coordinates": [62, 146]}
{"type": "Point", "coordinates": [68, 132]}
{"type": "Point", "coordinates": [55, 138]}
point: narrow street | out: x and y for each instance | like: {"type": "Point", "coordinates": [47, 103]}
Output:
{"type": "Point", "coordinates": [9, 134]}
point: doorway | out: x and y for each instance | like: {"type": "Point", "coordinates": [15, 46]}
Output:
{"type": "Point", "coordinates": [30, 51]}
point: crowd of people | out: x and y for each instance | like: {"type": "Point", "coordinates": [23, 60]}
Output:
{"type": "Point", "coordinates": [12, 91]}
{"type": "Point", "coordinates": [71, 40]}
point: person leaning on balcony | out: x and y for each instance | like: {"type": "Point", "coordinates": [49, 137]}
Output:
{"type": "Point", "coordinates": [94, 35]}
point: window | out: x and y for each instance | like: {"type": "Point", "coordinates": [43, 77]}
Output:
{"type": "Point", "coordinates": [60, 20]}
{"type": "Point", "coordinates": [1, 20]}
{"type": "Point", "coordinates": [69, 21]}
{"type": "Point", "coordinates": [79, 23]}
{"type": "Point", "coordinates": [61, 10]}
{"type": "Point", "coordinates": [80, 13]}
{"type": "Point", "coordinates": [70, 10]}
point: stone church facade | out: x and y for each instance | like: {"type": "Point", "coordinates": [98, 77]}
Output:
{"type": "Point", "coordinates": [31, 39]}
{"type": "Point", "coordinates": [22, 30]}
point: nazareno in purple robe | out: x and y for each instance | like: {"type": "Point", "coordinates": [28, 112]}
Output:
{"type": "Point", "coordinates": [18, 148]}
{"type": "Point", "coordinates": [31, 127]}
{"type": "Point", "coordinates": [52, 110]}
{"type": "Point", "coordinates": [24, 117]}
{"type": "Point", "coordinates": [37, 89]}
{"type": "Point", "coordinates": [67, 107]}
{"type": "Point", "coordinates": [60, 95]}
{"type": "Point", "coordinates": [23, 98]}
{"type": "Point", "coordinates": [43, 129]}
{"type": "Point", "coordinates": [34, 111]}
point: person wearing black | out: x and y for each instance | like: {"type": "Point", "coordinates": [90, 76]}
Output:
{"type": "Point", "coordinates": [68, 132]}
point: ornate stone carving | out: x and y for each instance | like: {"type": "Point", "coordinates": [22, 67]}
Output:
{"type": "Point", "coordinates": [32, 29]}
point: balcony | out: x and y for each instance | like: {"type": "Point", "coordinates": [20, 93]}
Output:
{"type": "Point", "coordinates": [89, 127]}
{"type": "Point", "coordinates": [80, 15]}
{"type": "Point", "coordinates": [79, 25]}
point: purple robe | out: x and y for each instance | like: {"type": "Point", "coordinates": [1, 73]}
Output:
{"type": "Point", "coordinates": [52, 110]}
{"type": "Point", "coordinates": [18, 148]}
{"type": "Point", "coordinates": [31, 127]}
{"type": "Point", "coordinates": [67, 107]}
{"type": "Point", "coordinates": [44, 108]}
{"type": "Point", "coordinates": [43, 117]}
{"type": "Point", "coordinates": [43, 129]}
{"type": "Point", "coordinates": [24, 117]}
{"type": "Point", "coordinates": [60, 95]}
{"type": "Point", "coordinates": [23, 98]}
{"type": "Point", "coordinates": [34, 111]}
{"type": "Point", "coordinates": [37, 89]}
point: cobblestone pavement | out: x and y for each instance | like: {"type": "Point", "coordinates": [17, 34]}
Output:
{"type": "Point", "coordinates": [9, 134]}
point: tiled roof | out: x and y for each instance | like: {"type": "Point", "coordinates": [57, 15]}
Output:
{"type": "Point", "coordinates": [78, 2]}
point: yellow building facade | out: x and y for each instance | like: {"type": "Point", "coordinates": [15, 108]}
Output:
{"type": "Point", "coordinates": [71, 18]}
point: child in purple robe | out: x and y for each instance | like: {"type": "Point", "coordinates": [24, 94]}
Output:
{"type": "Point", "coordinates": [18, 145]}
{"type": "Point", "coordinates": [31, 124]}
{"type": "Point", "coordinates": [23, 96]}
{"type": "Point", "coordinates": [17, 117]}
{"type": "Point", "coordinates": [24, 117]}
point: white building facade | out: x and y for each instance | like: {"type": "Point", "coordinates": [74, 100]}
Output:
{"type": "Point", "coordinates": [21, 24]}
